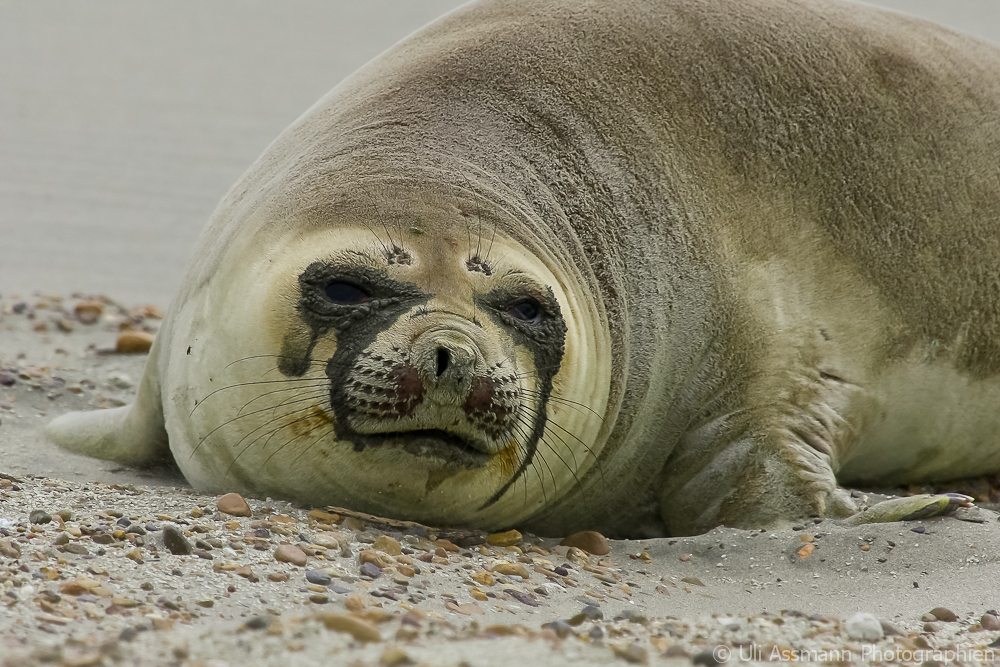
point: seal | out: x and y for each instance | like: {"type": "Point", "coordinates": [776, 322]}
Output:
{"type": "Point", "coordinates": [640, 267]}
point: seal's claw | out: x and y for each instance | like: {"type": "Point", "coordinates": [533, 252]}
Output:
{"type": "Point", "coordinates": [911, 508]}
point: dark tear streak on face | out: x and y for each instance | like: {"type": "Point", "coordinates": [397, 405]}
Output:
{"type": "Point", "coordinates": [357, 326]}
{"type": "Point", "coordinates": [547, 342]}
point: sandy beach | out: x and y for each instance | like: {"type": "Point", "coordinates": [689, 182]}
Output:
{"type": "Point", "coordinates": [123, 124]}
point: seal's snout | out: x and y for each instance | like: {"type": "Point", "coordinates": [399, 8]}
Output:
{"type": "Point", "coordinates": [447, 360]}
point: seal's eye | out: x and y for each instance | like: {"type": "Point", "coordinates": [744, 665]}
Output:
{"type": "Point", "coordinates": [346, 293]}
{"type": "Point", "coordinates": [526, 310]}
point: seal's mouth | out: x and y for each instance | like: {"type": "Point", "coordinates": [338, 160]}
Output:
{"type": "Point", "coordinates": [435, 443]}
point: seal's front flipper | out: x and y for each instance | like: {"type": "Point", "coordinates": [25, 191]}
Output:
{"type": "Point", "coordinates": [911, 508]}
{"type": "Point", "coordinates": [134, 434]}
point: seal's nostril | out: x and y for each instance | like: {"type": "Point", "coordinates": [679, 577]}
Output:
{"type": "Point", "coordinates": [443, 359]}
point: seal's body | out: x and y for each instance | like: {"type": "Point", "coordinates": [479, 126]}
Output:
{"type": "Point", "coordinates": [643, 267]}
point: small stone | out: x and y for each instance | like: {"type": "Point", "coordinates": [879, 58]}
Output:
{"type": "Point", "coordinates": [516, 569]}
{"type": "Point", "coordinates": [483, 578]}
{"type": "Point", "coordinates": [354, 603]}
{"type": "Point", "coordinates": [933, 626]}
{"type": "Point", "coordinates": [358, 628]}
{"type": "Point", "coordinates": [258, 622]}
{"type": "Point", "coordinates": [588, 540]}
{"type": "Point", "coordinates": [7, 379]}
{"type": "Point", "coordinates": [371, 570]}
{"type": "Point", "coordinates": [863, 626]}
{"type": "Point", "coordinates": [944, 614]}
{"type": "Point", "coordinates": [65, 515]}
{"type": "Point", "coordinates": [393, 655]}
{"type": "Point", "coordinates": [705, 659]}
{"type": "Point", "coordinates": [388, 545]}
{"type": "Point", "coordinates": [175, 542]}
{"type": "Point", "coordinates": [324, 517]}
{"type": "Point", "coordinates": [65, 325]}
{"type": "Point", "coordinates": [39, 517]}
{"type": "Point", "coordinates": [560, 627]}
{"type": "Point", "coordinates": [577, 556]}
{"type": "Point", "coordinates": [447, 545]}
{"type": "Point", "coordinates": [505, 539]}
{"type": "Point", "coordinates": [77, 549]}
{"type": "Point", "coordinates": [376, 558]}
{"type": "Point", "coordinates": [326, 540]}
{"type": "Point", "coordinates": [135, 555]}
{"type": "Point", "coordinates": [319, 578]}
{"type": "Point", "coordinates": [120, 381]}
{"type": "Point", "coordinates": [633, 653]}
{"type": "Point", "coordinates": [88, 312]}
{"type": "Point", "coordinates": [522, 597]}
{"type": "Point", "coordinates": [233, 504]}
{"type": "Point", "coordinates": [589, 613]}
{"type": "Point", "coordinates": [889, 629]}
{"type": "Point", "coordinates": [134, 342]}
{"type": "Point", "coordinates": [989, 622]}
{"type": "Point", "coordinates": [208, 604]}
{"type": "Point", "coordinates": [289, 553]}
{"type": "Point", "coordinates": [278, 576]}
{"type": "Point", "coordinates": [319, 598]}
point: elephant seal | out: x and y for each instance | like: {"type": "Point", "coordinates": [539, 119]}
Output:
{"type": "Point", "coordinates": [638, 266]}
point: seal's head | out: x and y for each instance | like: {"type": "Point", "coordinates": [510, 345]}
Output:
{"type": "Point", "coordinates": [416, 364]}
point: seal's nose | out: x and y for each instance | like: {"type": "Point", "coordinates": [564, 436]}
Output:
{"type": "Point", "coordinates": [444, 357]}
{"type": "Point", "coordinates": [447, 361]}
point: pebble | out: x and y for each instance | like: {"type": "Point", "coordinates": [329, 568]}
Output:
{"type": "Point", "coordinates": [289, 553]}
{"type": "Point", "coordinates": [505, 539]}
{"type": "Point", "coordinates": [705, 658]}
{"type": "Point", "coordinates": [863, 626]}
{"type": "Point", "coordinates": [989, 622]}
{"type": "Point", "coordinates": [7, 379]}
{"type": "Point", "coordinates": [39, 517]}
{"type": "Point", "coordinates": [388, 545]}
{"type": "Point", "coordinates": [394, 655]}
{"type": "Point", "coordinates": [88, 312]}
{"type": "Point", "coordinates": [633, 653]}
{"type": "Point", "coordinates": [133, 342]}
{"type": "Point", "coordinates": [589, 541]}
{"type": "Point", "coordinates": [175, 542]}
{"type": "Point", "coordinates": [522, 597]}
{"type": "Point", "coordinates": [233, 504]}
{"type": "Point", "coordinates": [943, 614]}
{"type": "Point", "coordinates": [516, 569]}
{"type": "Point", "coordinates": [326, 540]}
{"type": "Point", "coordinates": [355, 626]}
{"type": "Point", "coordinates": [483, 578]}
{"type": "Point", "coordinates": [318, 578]}
{"type": "Point", "coordinates": [376, 558]}
{"type": "Point", "coordinates": [577, 556]}
{"type": "Point", "coordinates": [120, 381]}
{"type": "Point", "coordinates": [371, 570]}
{"type": "Point", "coordinates": [324, 517]}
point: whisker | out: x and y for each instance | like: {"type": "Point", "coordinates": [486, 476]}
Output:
{"type": "Point", "coordinates": [310, 398]}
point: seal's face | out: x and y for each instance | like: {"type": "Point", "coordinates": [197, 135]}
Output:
{"type": "Point", "coordinates": [423, 374]}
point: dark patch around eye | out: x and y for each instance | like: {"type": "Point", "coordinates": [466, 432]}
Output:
{"type": "Point", "coordinates": [342, 296]}
{"type": "Point", "coordinates": [544, 335]}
